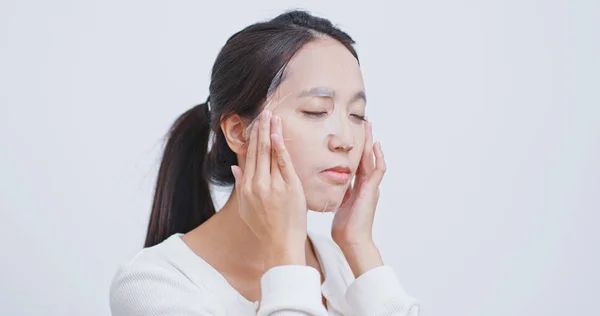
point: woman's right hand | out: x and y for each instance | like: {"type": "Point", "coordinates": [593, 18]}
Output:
{"type": "Point", "coordinates": [270, 195]}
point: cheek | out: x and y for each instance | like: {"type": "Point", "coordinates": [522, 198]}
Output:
{"type": "Point", "coordinates": [356, 154]}
{"type": "Point", "coordinates": [298, 144]}
{"type": "Point", "coordinates": [355, 158]}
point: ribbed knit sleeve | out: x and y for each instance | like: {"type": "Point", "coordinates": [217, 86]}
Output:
{"type": "Point", "coordinates": [378, 292]}
{"type": "Point", "coordinates": [291, 290]}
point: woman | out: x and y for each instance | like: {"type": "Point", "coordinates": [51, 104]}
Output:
{"type": "Point", "coordinates": [286, 109]}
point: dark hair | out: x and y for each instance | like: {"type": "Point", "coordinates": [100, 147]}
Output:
{"type": "Point", "coordinates": [248, 68]}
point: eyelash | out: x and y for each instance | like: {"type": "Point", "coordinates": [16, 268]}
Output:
{"type": "Point", "coordinates": [321, 114]}
{"type": "Point", "coordinates": [360, 117]}
{"type": "Point", "coordinates": [314, 114]}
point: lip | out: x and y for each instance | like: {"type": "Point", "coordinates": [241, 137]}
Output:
{"type": "Point", "coordinates": [337, 174]}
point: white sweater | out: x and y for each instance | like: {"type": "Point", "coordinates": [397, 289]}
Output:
{"type": "Point", "coordinates": [169, 279]}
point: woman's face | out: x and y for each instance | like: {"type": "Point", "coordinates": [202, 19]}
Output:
{"type": "Point", "coordinates": [321, 102]}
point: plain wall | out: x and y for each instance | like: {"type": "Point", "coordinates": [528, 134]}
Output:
{"type": "Point", "coordinates": [488, 112]}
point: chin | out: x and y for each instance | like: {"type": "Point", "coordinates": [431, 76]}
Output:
{"type": "Point", "coordinates": [323, 209]}
{"type": "Point", "coordinates": [325, 201]}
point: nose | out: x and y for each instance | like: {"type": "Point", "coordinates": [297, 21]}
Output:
{"type": "Point", "coordinates": [341, 140]}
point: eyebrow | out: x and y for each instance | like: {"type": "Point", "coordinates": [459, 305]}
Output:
{"type": "Point", "coordinates": [329, 93]}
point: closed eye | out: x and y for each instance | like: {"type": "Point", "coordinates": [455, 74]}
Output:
{"type": "Point", "coordinates": [314, 114]}
{"type": "Point", "coordinates": [360, 117]}
{"type": "Point", "coordinates": [321, 114]}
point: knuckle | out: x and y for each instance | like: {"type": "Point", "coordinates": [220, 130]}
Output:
{"type": "Point", "coordinates": [281, 162]}
{"type": "Point", "coordinates": [280, 149]}
{"type": "Point", "coordinates": [278, 189]}
{"type": "Point", "coordinates": [246, 190]}
{"type": "Point", "coordinates": [264, 148]}
{"type": "Point", "coordinates": [381, 167]}
{"type": "Point", "coordinates": [261, 189]}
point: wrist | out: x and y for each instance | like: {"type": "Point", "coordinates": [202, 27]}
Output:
{"type": "Point", "coordinates": [277, 256]}
{"type": "Point", "coordinates": [361, 257]}
{"type": "Point", "coordinates": [355, 244]}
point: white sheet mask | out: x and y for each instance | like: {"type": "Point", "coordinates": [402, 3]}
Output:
{"type": "Point", "coordinates": [321, 141]}
{"type": "Point", "coordinates": [272, 104]}
{"type": "Point", "coordinates": [333, 124]}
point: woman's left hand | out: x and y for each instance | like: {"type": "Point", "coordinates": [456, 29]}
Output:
{"type": "Point", "coordinates": [353, 222]}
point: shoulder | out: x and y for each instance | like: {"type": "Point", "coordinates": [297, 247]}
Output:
{"type": "Point", "coordinates": [153, 261]}
{"type": "Point", "coordinates": [152, 283]}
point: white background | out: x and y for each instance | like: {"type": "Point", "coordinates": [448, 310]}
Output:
{"type": "Point", "coordinates": [488, 112]}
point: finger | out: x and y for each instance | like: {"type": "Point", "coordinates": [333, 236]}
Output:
{"type": "Point", "coordinates": [279, 127]}
{"type": "Point", "coordinates": [347, 194]}
{"type": "Point", "coordinates": [366, 161]}
{"type": "Point", "coordinates": [284, 161]}
{"type": "Point", "coordinates": [380, 165]}
{"type": "Point", "coordinates": [237, 175]}
{"type": "Point", "coordinates": [275, 173]}
{"type": "Point", "coordinates": [263, 163]}
{"type": "Point", "coordinates": [250, 167]}
{"type": "Point", "coordinates": [272, 104]}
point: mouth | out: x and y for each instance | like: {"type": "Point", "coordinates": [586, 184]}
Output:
{"type": "Point", "coordinates": [337, 174]}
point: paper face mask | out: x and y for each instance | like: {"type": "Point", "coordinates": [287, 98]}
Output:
{"type": "Point", "coordinates": [321, 102]}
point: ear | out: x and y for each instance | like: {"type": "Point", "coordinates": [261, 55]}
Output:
{"type": "Point", "coordinates": [234, 130]}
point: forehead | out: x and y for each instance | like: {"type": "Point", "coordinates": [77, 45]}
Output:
{"type": "Point", "coordinates": [323, 62]}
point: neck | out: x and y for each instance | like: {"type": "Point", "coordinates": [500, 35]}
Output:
{"type": "Point", "coordinates": [233, 239]}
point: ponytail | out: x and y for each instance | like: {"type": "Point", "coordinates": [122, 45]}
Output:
{"type": "Point", "coordinates": [182, 199]}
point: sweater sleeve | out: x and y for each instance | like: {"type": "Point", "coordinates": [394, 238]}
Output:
{"type": "Point", "coordinates": [291, 290]}
{"type": "Point", "coordinates": [378, 292]}
{"type": "Point", "coordinates": [155, 291]}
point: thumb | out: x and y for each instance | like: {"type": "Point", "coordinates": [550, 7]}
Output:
{"type": "Point", "coordinates": [348, 194]}
{"type": "Point", "coordinates": [346, 200]}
